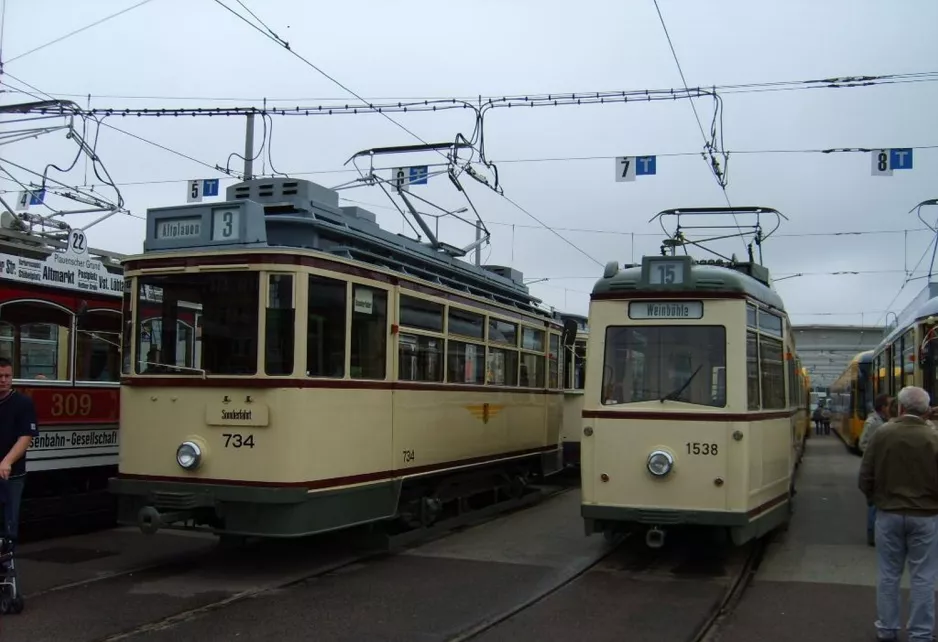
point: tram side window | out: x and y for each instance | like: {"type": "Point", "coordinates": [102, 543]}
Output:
{"type": "Point", "coordinates": [280, 325]}
{"type": "Point", "coordinates": [553, 362]}
{"type": "Point", "coordinates": [369, 332]}
{"type": "Point", "coordinates": [325, 334]}
{"type": "Point", "coordinates": [773, 373]}
{"type": "Point", "coordinates": [908, 365]}
{"type": "Point", "coordinates": [502, 367]}
{"type": "Point", "coordinates": [128, 328]}
{"type": "Point", "coordinates": [465, 363]}
{"type": "Point", "coordinates": [37, 338]}
{"type": "Point", "coordinates": [420, 358]}
{"type": "Point", "coordinates": [752, 371]}
{"type": "Point", "coordinates": [579, 372]}
{"type": "Point", "coordinates": [685, 364]}
{"type": "Point", "coordinates": [97, 349]}
{"type": "Point", "coordinates": [170, 309]}
{"type": "Point", "coordinates": [532, 370]}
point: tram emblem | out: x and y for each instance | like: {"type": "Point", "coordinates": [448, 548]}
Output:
{"type": "Point", "coordinates": [484, 411]}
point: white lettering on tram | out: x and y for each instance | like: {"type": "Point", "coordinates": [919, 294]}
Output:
{"type": "Point", "coordinates": [62, 269]}
{"type": "Point", "coordinates": [666, 310]}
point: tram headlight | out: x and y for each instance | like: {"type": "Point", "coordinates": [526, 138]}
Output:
{"type": "Point", "coordinates": [660, 463]}
{"type": "Point", "coordinates": [189, 455]}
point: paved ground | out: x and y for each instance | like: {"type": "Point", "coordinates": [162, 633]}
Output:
{"type": "Point", "coordinates": [817, 581]}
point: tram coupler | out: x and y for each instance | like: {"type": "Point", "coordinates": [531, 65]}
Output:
{"type": "Point", "coordinates": [654, 538]}
{"type": "Point", "coordinates": [150, 519]}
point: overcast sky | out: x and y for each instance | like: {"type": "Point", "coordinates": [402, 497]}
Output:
{"type": "Point", "coordinates": [170, 53]}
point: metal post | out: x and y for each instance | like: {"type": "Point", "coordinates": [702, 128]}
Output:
{"type": "Point", "coordinates": [249, 148]}
{"type": "Point", "coordinates": [479, 246]}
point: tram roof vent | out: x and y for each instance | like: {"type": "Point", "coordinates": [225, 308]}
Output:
{"type": "Point", "coordinates": [507, 272]}
{"type": "Point", "coordinates": [357, 212]}
{"type": "Point", "coordinates": [301, 194]}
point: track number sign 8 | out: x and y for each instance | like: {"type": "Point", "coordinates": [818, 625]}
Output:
{"type": "Point", "coordinates": [697, 448]}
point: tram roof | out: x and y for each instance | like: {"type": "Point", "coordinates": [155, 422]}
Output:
{"type": "Point", "coordinates": [750, 279]}
{"type": "Point", "coordinates": [287, 213]}
{"type": "Point", "coordinates": [924, 305]}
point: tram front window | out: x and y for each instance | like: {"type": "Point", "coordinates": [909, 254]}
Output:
{"type": "Point", "coordinates": [36, 336]}
{"type": "Point", "coordinates": [650, 363]}
{"type": "Point", "coordinates": [191, 322]}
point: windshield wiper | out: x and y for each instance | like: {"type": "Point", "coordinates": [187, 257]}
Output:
{"type": "Point", "coordinates": [672, 396]}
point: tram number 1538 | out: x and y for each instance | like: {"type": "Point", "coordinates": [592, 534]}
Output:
{"type": "Point", "coordinates": [696, 448]}
{"type": "Point", "coordinates": [235, 440]}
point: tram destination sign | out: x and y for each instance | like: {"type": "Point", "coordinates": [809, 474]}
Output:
{"type": "Point", "coordinates": [68, 270]}
{"type": "Point", "coordinates": [666, 310]}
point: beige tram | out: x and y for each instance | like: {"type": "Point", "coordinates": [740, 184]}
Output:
{"type": "Point", "coordinates": [574, 374]}
{"type": "Point", "coordinates": [694, 405]}
{"type": "Point", "coordinates": [311, 371]}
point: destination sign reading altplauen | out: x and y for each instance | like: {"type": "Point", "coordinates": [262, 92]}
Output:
{"type": "Point", "coordinates": [666, 309]}
{"type": "Point", "coordinates": [180, 228]}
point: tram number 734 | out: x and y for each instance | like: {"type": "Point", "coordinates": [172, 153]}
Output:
{"type": "Point", "coordinates": [235, 440]}
{"type": "Point", "coordinates": [696, 448]}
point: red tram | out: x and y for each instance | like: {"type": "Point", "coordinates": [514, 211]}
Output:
{"type": "Point", "coordinates": [60, 324]}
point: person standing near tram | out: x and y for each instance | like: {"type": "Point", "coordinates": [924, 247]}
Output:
{"type": "Point", "coordinates": [17, 429]}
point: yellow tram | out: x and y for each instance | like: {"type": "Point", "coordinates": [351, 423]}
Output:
{"type": "Point", "coordinates": [294, 369]}
{"type": "Point", "coordinates": [908, 354]}
{"type": "Point", "coordinates": [851, 399]}
{"type": "Point", "coordinates": [695, 405]}
{"type": "Point", "coordinates": [574, 371]}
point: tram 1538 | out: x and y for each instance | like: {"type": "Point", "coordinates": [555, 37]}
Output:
{"type": "Point", "coordinates": [60, 325]}
{"type": "Point", "coordinates": [694, 408]}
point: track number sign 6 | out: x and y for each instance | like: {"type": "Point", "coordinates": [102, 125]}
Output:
{"type": "Point", "coordinates": [697, 448]}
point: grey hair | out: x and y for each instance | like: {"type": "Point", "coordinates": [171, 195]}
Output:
{"type": "Point", "coordinates": [914, 400]}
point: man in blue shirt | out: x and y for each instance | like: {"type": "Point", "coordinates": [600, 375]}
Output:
{"type": "Point", "coordinates": [17, 429]}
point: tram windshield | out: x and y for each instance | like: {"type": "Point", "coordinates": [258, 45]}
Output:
{"type": "Point", "coordinates": [648, 363]}
{"type": "Point", "coordinates": [191, 322]}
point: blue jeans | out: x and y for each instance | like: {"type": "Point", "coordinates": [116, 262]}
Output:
{"type": "Point", "coordinates": [901, 539]}
{"type": "Point", "coordinates": [11, 495]}
{"type": "Point", "coordinates": [870, 518]}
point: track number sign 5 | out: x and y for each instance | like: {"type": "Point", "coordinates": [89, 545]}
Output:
{"type": "Point", "coordinates": [697, 448]}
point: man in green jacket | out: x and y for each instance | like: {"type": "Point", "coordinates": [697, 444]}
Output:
{"type": "Point", "coordinates": [899, 475]}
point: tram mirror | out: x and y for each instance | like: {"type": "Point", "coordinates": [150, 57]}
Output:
{"type": "Point", "coordinates": [569, 333]}
{"type": "Point", "coordinates": [82, 308]}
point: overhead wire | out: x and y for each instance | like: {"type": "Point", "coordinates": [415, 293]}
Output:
{"type": "Point", "coordinates": [77, 31]}
{"type": "Point", "coordinates": [276, 39]}
{"type": "Point", "coordinates": [714, 165]}
{"type": "Point", "coordinates": [846, 82]}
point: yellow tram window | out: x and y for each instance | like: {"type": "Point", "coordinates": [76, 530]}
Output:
{"type": "Point", "coordinates": [420, 358]}
{"type": "Point", "coordinates": [280, 325]}
{"type": "Point", "coordinates": [649, 363]}
{"type": "Point", "coordinates": [369, 332]}
{"type": "Point", "coordinates": [752, 371]}
{"type": "Point", "coordinates": [166, 321]}
{"type": "Point", "coordinates": [326, 326]}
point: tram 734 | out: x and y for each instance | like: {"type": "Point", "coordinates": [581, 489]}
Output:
{"type": "Point", "coordinates": [694, 405]}
{"type": "Point", "coordinates": [296, 369]}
